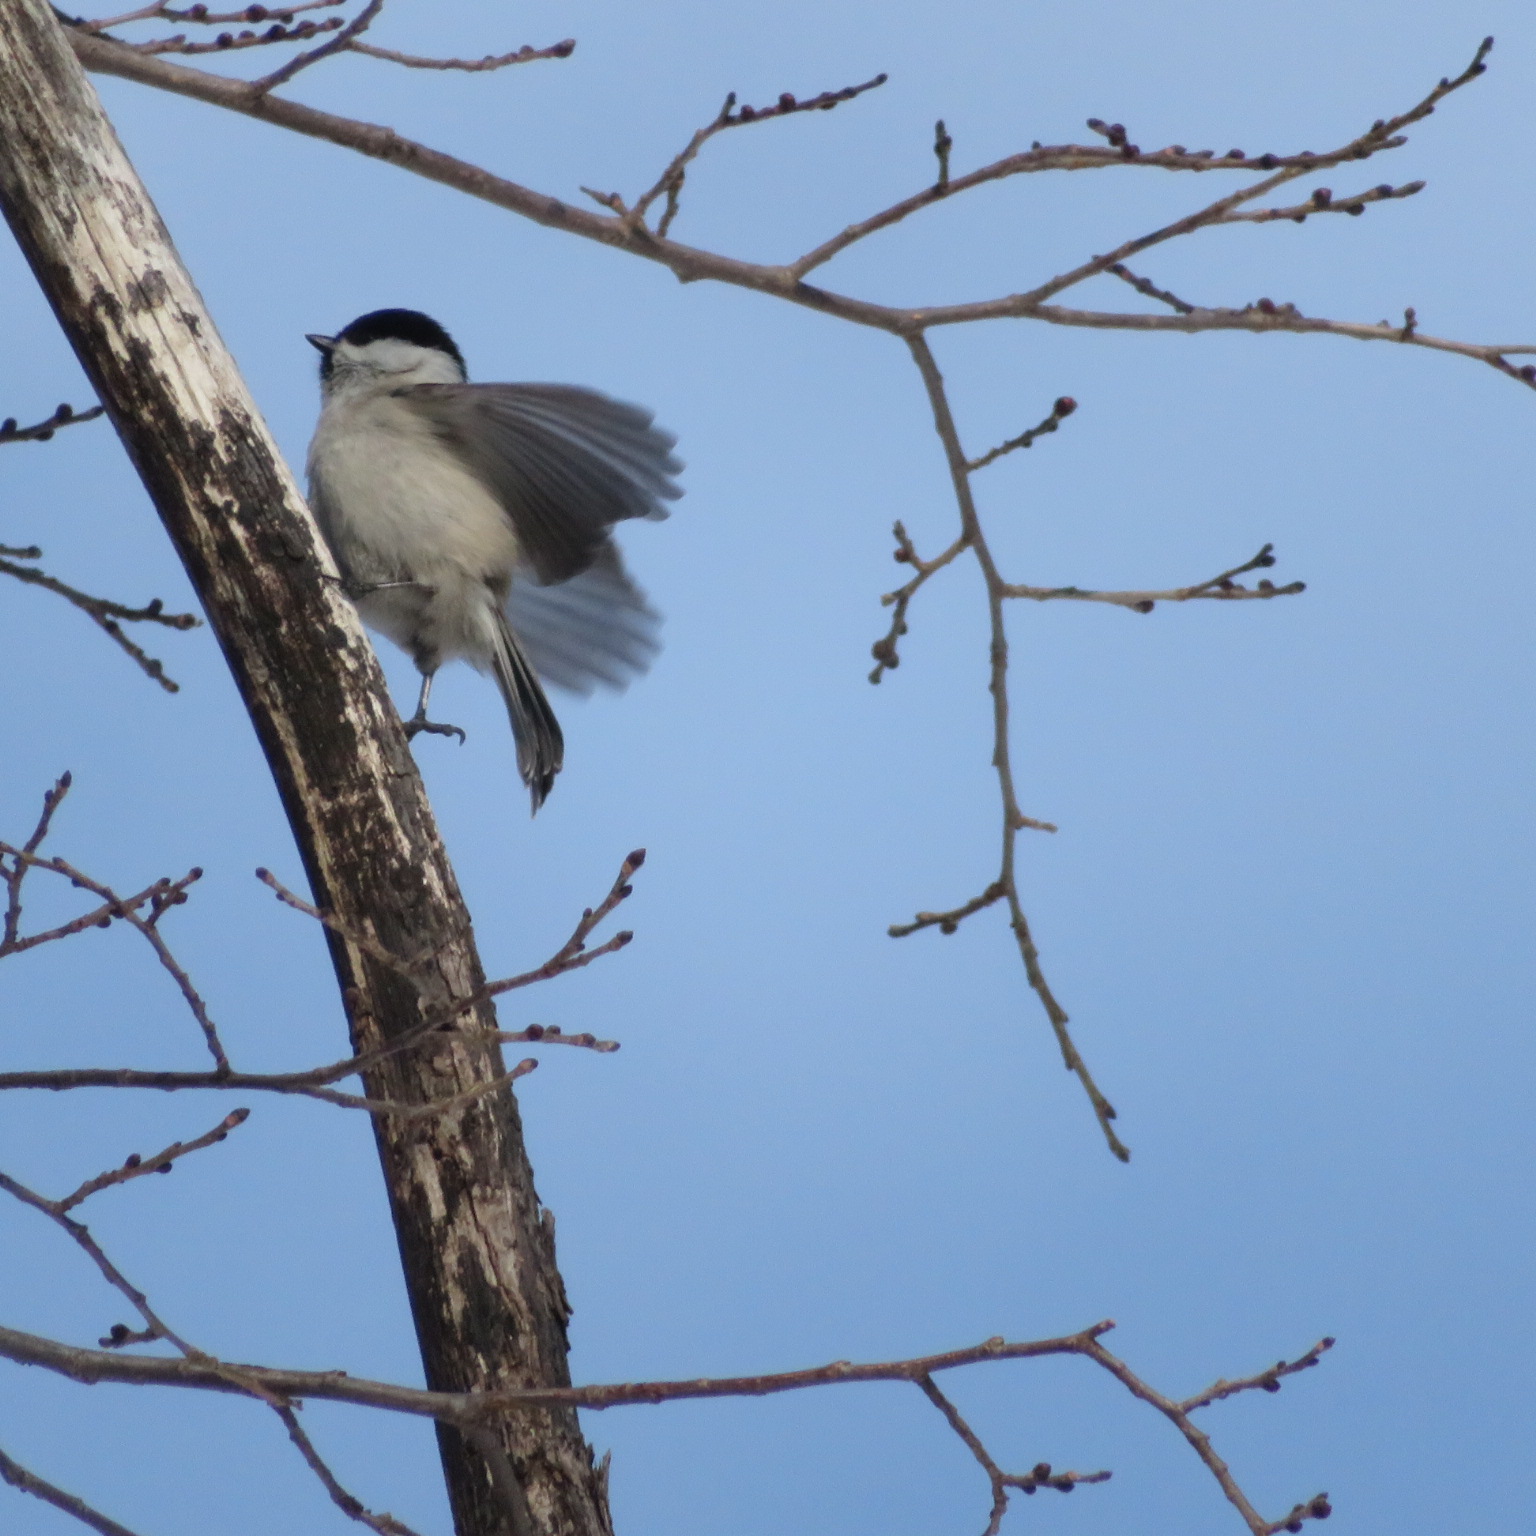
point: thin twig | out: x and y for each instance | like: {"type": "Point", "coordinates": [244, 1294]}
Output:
{"type": "Point", "coordinates": [135, 1167]}
{"type": "Point", "coordinates": [160, 893]}
{"type": "Point", "coordinates": [1219, 588]}
{"type": "Point", "coordinates": [102, 611]}
{"type": "Point", "coordinates": [524, 55]}
{"type": "Point", "coordinates": [885, 649]}
{"type": "Point", "coordinates": [1013, 817]}
{"type": "Point", "coordinates": [1384, 134]}
{"type": "Point", "coordinates": [19, 1477]}
{"type": "Point", "coordinates": [949, 922]}
{"type": "Point", "coordinates": [237, 1378]}
{"type": "Point", "coordinates": [17, 862]}
{"type": "Point", "coordinates": [411, 967]}
{"type": "Point", "coordinates": [307, 1085]}
{"type": "Point", "coordinates": [732, 116]}
{"type": "Point", "coordinates": [234, 42]}
{"type": "Point", "coordinates": [159, 898]}
{"type": "Point", "coordinates": [349, 1504]}
{"type": "Point", "coordinates": [340, 42]}
{"type": "Point", "coordinates": [942, 145]}
{"type": "Point", "coordinates": [1322, 200]}
{"type": "Point", "coordinates": [1063, 408]}
{"type": "Point", "coordinates": [154, 1326]}
{"type": "Point", "coordinates": [65, 416]}
{"type": "Point", "coordinates": [1148, 287]}
{"type": "Point", "coordinates": [1263, 1381]}
{"type": "Point", "coordinates": [19, 868]}
{"type": "Point", "coordinates": [571, 956]}
{"type": "Point", "coordinates": [202, 16]}
{"type": "Point", "coordinates": [1198, 1440]}
{"type": "Point", "coordinates": [1040, 1476]}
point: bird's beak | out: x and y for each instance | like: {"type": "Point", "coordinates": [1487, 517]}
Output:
{"type": "Point", "coordinates": [325, 344]}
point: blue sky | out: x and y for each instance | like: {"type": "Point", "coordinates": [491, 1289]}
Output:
{"type": "Point", "coordinates": [1289, 907]}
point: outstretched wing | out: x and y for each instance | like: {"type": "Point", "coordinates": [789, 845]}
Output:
{"type": "Point", "coordinates": [595, 630]}
{"type": "Point", "coordinates": [566, 463]}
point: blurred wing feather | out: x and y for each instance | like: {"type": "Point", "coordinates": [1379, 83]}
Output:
{"type": "Point", "coordinates": [566, 463]}
{"type": "Point", "coordinates": [596, 630]}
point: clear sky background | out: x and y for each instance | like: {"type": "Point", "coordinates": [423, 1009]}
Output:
{"type": "Point", "coordinates": [1289, 907]}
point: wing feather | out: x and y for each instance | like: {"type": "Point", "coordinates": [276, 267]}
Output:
{"type": "Point", "coordinates": [565, 463]}
{"type": "Point", "coordinates": [595, 630]}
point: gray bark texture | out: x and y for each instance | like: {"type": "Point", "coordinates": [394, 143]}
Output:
{"type": "Point", "coordinates": [477, 1249]}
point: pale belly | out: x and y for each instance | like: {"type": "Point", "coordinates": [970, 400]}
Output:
{"type": "Point", "coordinates": [426, 549]}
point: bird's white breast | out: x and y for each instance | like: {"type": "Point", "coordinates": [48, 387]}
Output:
{"type": "Point", "coordinates": [397, 503]}
{"type": "Point", "coordinates": [397, 506]}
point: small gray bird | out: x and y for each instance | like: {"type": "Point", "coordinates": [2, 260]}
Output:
{"type": "Point", "coordinates": [474, 520]}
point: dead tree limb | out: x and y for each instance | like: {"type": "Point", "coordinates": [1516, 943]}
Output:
{"type": "Point", "coordinates": [477, 1249]}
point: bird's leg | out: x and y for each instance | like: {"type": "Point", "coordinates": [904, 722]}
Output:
{"type": "Point", "coordinates": [357, 589]}
{"type": "Point", "coordinates": [419, 722]}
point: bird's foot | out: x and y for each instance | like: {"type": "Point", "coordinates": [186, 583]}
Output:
{"type": "Point", "coordinates": [419, 723]}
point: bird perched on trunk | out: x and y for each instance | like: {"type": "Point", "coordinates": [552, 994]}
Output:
{"type": "Point", "coordinates": [474, 520]}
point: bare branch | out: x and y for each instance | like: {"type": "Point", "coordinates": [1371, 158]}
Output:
{"type": "Point", "coordinates": [1264, 1381]}
{"type": "Point", "coordinates": [571, 956]}
{"type": "Point", "coordinates": [342, 40]}
{"type": "Point", "coordinates": [349, 1504]}
{"type": "Point", "coordinates": [1322, 201]}
{"type": "Point", "coordinates": [1013, 817]}
{"type": "Point", "coordinates": [29, 1482]}
{"type": "Point", "coordinates": [972, 537]}
{"type": "Point", "coordinates": [135, 1167]}
{"type": "Point", "coordinates": [524, 55]}
{"type": "Point", "coordinates": [1073, 157]}
{"type": "Point", "coordinates": [17, 873]}
{"type": "Point", "coordinates": [731, 116]}
{"type": "Point", "coordinates": [1040, 1476]}
{"type": "Point", "coordinates": [313, 1083]}
{"type": "Point", "coordinates": [787, 282]}
{"type": "Point", "coordinates": [201, 15]}
{"type": "Point", "coordinates": [942, 145]}
{"type": "Point", "coordinates": [1063, 408]}
{"type": "Point", "coordinates": [303, 1084]}
{"type": "Point", "coordinates": [235, 1377]}
{"type": "Point", "coordinates": [469, 1409]}
{"type": "Point", "coordinates": [283, 30]}
{"type": "Point", "coordinates": [102, 611]}
{"type": "Point", "coordinates": [159, 898]}
{"type": "Point", "coordinates": [154, 1326]}
{"type": "Point", "coordinates": [1222, 588]}
{"type": "Point", "coordinates": [949, 922]}
{"type": "Point", "coordinates": [65, 416]}
{"type": "Point", "coordinates": [1152, 291]}
{"type": "Point", "coordinates": [1383, 134]}
{"type": "Point", "coordinates": [1200, 1442]}
{"type": "Point", "coordinates": [231, 42]}
{"type": "Point", "coordinates": [1260, 317]}
{"type": "Point", "coordinates": [402, 966]}
{"type": "Point", "coordinates": [113, 906]}
{"type": "Point", "coordinates": [884, 650]}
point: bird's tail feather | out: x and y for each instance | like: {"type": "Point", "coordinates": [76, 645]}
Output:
{"type": "Point", "coordinates": [540, 745]}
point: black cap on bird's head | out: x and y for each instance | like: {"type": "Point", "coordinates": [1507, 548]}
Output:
{"type": "Point", "coordinates": [408, 325]}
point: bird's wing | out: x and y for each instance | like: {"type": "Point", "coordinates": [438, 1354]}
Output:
{"type": "Point", "coordinates": [566, 463]}
{"type": "Point", "coordinates": [595, 630]}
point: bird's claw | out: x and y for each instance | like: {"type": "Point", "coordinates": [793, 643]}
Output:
{"type": "Point", "coordinates": [419, 723]}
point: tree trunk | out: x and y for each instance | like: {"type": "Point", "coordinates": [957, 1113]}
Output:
{"type": "Point", "coordinates": [477, 1249]}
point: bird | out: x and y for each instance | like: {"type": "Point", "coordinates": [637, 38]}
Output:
{"type": "Point", "coordinates": [475, 521]}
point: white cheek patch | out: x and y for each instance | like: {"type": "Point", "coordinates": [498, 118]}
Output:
{"type": "Point", "coordinates": [404, 361]}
